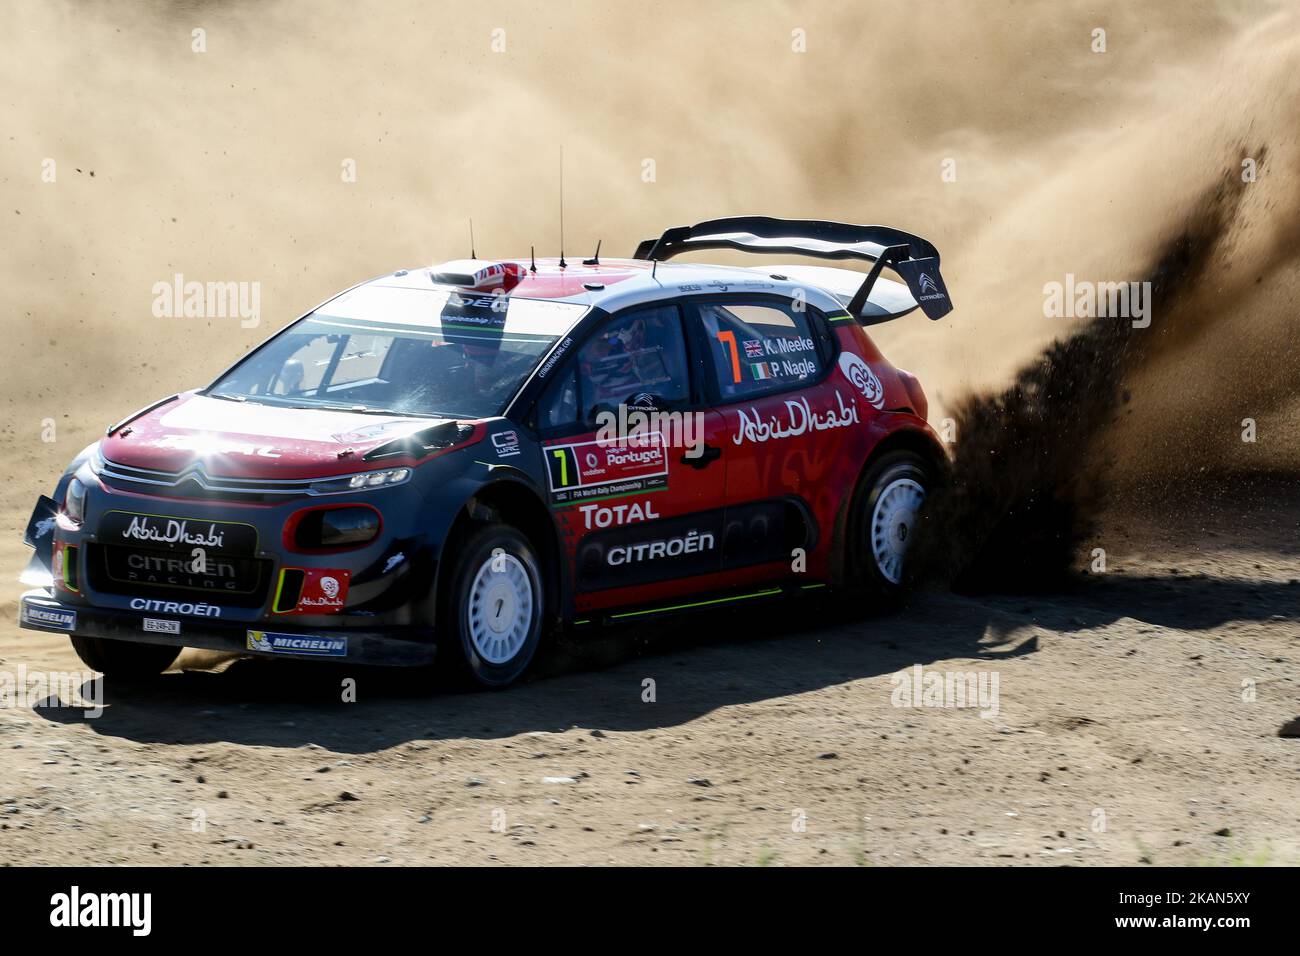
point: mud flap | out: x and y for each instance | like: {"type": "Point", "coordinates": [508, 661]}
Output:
{"type": "Point", "coordinates": [40, 537]}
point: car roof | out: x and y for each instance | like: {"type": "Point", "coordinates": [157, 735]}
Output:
{"type": "Point", "coordinates": [613, 284]}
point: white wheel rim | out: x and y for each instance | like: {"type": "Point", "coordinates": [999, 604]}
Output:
{"type": "Point", "coordinates": [892, 525]}
{"type": "Point", "coordinates": [500, 608]}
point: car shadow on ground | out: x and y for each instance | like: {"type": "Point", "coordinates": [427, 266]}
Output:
{"type": "Point", "coordinates": [689, 666]}
{"type": "Point", "coordinates": [597, 681]}
{"type": "Point", "coordinates": [1189, 602]}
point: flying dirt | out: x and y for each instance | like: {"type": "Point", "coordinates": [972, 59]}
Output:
{"type": "Point", "coordinates": [1114, 402]}
{"type": "Point", "coordinates": [1021, 499]}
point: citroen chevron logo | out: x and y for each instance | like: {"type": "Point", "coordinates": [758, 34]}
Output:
{"type": "Point", "coordinates": [195, 474]}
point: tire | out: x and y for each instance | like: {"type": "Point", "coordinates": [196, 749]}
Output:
{"type": "Point", "coordinates": [125, 659]}
{"type": "Point", "coordinates": [492, 611]}
{"type": "Point", "coordinates": [882, 525]}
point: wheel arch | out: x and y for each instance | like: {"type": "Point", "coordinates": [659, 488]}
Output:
{"type": "Point", "coordinates": [512, 501]}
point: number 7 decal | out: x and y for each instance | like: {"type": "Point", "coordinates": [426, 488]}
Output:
{"type": "Point", "coordinates": [728, 339]}
{"type": "Point", "coordinates": [564, 467]}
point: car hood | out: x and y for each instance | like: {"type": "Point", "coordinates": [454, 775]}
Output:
{"type": "Point", "coordinates": [249, 440]}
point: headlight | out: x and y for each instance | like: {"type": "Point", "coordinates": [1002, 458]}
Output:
{"type": "Point", "coordinates": [367, 479]}
{"type": "Point", "coordinates": [74, 501]}
{"type": "Point", "coordinates": [329, 528]}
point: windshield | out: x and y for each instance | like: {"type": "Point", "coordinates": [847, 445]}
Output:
{"type": "Point", "coordinates": [402, 350]}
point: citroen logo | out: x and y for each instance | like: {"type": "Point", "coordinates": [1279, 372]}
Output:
{"type": "Point", "coordinates": [196, 475]}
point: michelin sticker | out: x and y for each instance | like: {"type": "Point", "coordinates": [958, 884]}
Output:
{"type": "Point", "coordinates": [308, 645]}
{"type": "Point", "coordinates": [864, 380]}
{"type": "Point", "coordinates": [56, 619]}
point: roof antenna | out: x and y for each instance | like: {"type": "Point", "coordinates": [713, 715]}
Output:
{"type": "Point", "coordinates": [594, 260]}
{"type": "Point", "coordinates": [472, 253]}
{"type": "Point", "coordinates": [532, 254]}
{"type": "Point", "coordinates": [563, 264]}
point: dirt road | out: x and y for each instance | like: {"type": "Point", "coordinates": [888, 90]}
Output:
{"type": "Point", "coordinates": [1136, 720]}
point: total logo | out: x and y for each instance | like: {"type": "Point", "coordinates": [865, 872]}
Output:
{"type": "Point", "coordinates": [599, 516]}
{"type": "Point", "coordinates": [206, 446]}
{"type": "Point", "coordinates": [864, 380]}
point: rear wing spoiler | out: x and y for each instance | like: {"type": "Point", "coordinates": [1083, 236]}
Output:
{"type": "Point", "coordinates": [915, 260]}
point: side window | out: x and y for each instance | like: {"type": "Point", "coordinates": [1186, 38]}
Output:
{"type": "Point", "coordinates": [637, 358]}
{"type": "Point", "coordinates": [759, 348]}
{"type": "Point", "coordinates": [559, 404]}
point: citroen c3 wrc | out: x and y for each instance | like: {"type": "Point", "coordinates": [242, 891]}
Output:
{"type": "Point", "coordinates": [453, 462]}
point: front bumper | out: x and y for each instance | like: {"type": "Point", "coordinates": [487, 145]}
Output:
{"type": "Point", "coordinates": [395, 645]}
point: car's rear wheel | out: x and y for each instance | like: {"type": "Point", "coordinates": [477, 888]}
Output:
{"type": "Point", "coordinates": [124, 659]}
{"type": "Point", "coordinates": [494, 608]}
{"type": "Point", "coordinates": [883, 523]}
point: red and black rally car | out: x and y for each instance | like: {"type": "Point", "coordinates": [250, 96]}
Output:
{"type": "Point", "coordinates": [457, 460]}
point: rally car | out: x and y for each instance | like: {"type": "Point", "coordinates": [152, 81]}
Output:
{"type": "Point", "coordinates": [455, 461]}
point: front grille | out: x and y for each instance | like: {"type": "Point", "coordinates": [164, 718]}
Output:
{"type": "Point", "coordinates": [168, 575]}
{"type": "Point", "coordinates": [194, 483]}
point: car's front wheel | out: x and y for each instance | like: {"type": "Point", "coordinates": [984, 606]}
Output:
{"type": "Point", "coordinates": [494, 608]}
{"type": "Point", "coordinates": [124, 659]}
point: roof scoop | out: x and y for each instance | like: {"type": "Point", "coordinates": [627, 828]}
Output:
{"type": "Point", "coordinates": [479, 274]}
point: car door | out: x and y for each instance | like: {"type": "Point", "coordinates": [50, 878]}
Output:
{"type": "Point", "coordinates": [787, 425]}
{"type": "Point", "coordinates": [636, 463]}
